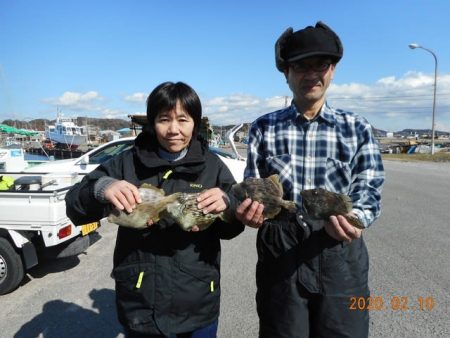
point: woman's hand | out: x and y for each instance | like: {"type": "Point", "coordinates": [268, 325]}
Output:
{"type": "Point", "coordinates": [213, 201]}
{"type": "Point", "coordinates": [123, 195]}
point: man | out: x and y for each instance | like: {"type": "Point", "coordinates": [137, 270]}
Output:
{"type": "Point", "coordinates": [308, 271]}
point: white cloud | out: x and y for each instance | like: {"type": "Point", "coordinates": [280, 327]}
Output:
{"type": "Point", "coordinates": [222, 109]}
{"type": "Point", "coordinates": [277, 102]}
{"type": "Point", "coordinates": [90, 104]}
{"type": "Point", "coordinates": [409, 80]}
{"type": "Point", "coordinates": [136, 97]}
{"type": "Point", "coordinates": [113, 114]}
{"type": "Point", "coordinates": [397, 103]}
{"type": "Point", "coordinates": [76, 101]}
{"type": "Point", "coordinates": [348, 90]}
{"type": "Point", "coordinates": [72, 98]}
{"type": "Point", "coordinates": [232, 109]}
{"type": "Point", "coordinates": [390, 103]}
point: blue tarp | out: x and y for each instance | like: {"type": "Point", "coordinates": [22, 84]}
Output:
{"type": "Point", "coordinates": [124, 130]}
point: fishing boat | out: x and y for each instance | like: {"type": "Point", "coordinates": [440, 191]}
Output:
{"type": "Point", "coordinates": [13, 158]}
{"type": "Point", "coordinates": [66, 133]}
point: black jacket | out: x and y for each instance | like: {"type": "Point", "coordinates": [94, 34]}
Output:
{"type": "Point", "coordinates": [167, 280]}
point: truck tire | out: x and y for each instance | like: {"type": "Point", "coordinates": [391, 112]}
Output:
{"type": "Point", "coordinates": [11, 267]}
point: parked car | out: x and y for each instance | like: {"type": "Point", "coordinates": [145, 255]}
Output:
{"type": "Point", "coordinates": [90, 160]}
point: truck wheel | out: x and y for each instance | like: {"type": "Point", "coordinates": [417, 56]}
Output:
{"type": "Point", "coordinates": [11, 267]}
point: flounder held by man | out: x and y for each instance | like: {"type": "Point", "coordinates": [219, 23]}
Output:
{"type": "Point", "coordinates": [321, 204]}
{"type": "Point", "coordinates": [268, 191]}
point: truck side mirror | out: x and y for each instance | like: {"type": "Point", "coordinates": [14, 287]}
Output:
{"type": "Point", "coordinates": [84, 160]}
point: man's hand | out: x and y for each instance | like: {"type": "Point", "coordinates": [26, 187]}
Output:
{"type": "Point", "coordinates": [123, 195]}
{"type": "Point", "coordinates": [340, 229]}
{"type": "Point", "coordinates": [250, 213]}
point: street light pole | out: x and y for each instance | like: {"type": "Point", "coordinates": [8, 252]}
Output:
{"type": "Point", "coordinates": [414, 46]}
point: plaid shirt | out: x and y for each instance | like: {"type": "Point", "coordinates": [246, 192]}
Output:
{"type": "Point", "coordinates": [336, 151]}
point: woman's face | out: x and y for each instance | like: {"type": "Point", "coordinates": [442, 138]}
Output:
{"type": "Point", "coordinates": [174, 129]}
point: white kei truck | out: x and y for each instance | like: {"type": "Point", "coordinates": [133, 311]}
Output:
{"type": "Point", "coordinates": [34, 224]}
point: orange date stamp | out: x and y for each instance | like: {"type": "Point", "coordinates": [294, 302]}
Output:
{"type": "Point", "coordinates": [394, 303]}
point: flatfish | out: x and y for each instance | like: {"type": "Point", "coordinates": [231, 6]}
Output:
{"type": "Point", "coordinates": [184, 211]}
{"type": "Point", "coordinates": [154, 203]}
{"type": "Point", "coordinates": [268, 191]}
{"type": "Point", "coordinates": [321, 204]}
{"type": "Point", "coordinates": [181, 207]}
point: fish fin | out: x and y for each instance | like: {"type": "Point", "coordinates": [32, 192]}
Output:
{"type": "Point", "coordinates": [149, 193]}
{"type": "Point", "coordinates": [112, 218]}
{"type": "Point", "coordinates": [347, 202]}
{"type": "Point", "coordinates": [152, 210]}
{"type": "Point", "coordinates": [227, 216]}
{"type": "Point", "coordinates": [272, 214]}
{"type": "Point", "coordinates": [355, 221]}
{"type": "Point", "coordinates": [152, 187]}
{"type": "Point", "coordinates": [276, 180]}
{"type": "Point", "coordinates": [172, 198]}
{"type": "Point", "coordinates": [289, 206]}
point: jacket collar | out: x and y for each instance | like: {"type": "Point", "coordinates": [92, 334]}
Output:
{"type": "Point", "coordinates": [147, 153]}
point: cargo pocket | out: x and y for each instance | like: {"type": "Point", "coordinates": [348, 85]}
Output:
{"type": "Point", "coordinates": [135, 296]}
{"type": "Point", "coordinates": [338, 176]}
{"type": "Point", "coordinates": [344, 268]}
{"type": "Point", "coordinates": [197, 290]}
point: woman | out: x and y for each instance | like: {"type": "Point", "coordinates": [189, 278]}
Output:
{"type": "Point", "coordinates": [167, 279]}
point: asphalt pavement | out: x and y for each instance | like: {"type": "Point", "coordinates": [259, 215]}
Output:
{"type": "Point", "coordinates": [409, 248]}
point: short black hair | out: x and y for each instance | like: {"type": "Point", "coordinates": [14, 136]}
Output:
{"type": "Point", "coordinates": [165, 97]}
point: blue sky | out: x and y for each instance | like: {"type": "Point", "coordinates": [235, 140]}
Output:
{"type": "Point", "coordinates": [101, 58]}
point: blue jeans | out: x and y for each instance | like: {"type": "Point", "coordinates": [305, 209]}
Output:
{"type": "Point", "coordinates": [209, 331]}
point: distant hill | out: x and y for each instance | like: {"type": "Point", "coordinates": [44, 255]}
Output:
{"type": "Point", "coordinates": [379, 132]}
{"type": "Point", "coordinates": [408, 132]}
{"type": "Point", "coordinates": [115, 124]}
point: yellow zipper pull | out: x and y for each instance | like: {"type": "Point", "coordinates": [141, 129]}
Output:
{"type": "Point", "coordinates": [211, 286]}
{"type": "Point", "coordinates": [167, 174]}
{"type": "Point", "coordinates": [139, 281]}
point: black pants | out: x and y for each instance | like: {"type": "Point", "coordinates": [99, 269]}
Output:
{"type": "Point", "coordinates": [312, 316]}
{"type": "Point", "coordinates": [309, 291]}
{"type": "Point", "coordinates": [206, 332]}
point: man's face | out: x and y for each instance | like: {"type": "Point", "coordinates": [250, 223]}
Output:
{"type": "Point", "coordinates": [309, 79]}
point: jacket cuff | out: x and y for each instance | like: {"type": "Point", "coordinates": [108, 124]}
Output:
{"type": "Point", "coordinates": [100, 187]}
{"type": "Point", "coordinates": [230, 211]}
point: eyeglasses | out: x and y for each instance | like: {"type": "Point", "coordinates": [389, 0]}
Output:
{"type": "Point", "coordinates": [318, 67]}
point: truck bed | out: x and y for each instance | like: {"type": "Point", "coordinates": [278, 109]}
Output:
{"type": "Point", "coordinates": [40, 207]}
{"type": "Point", "coordinates": [33, 208]}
